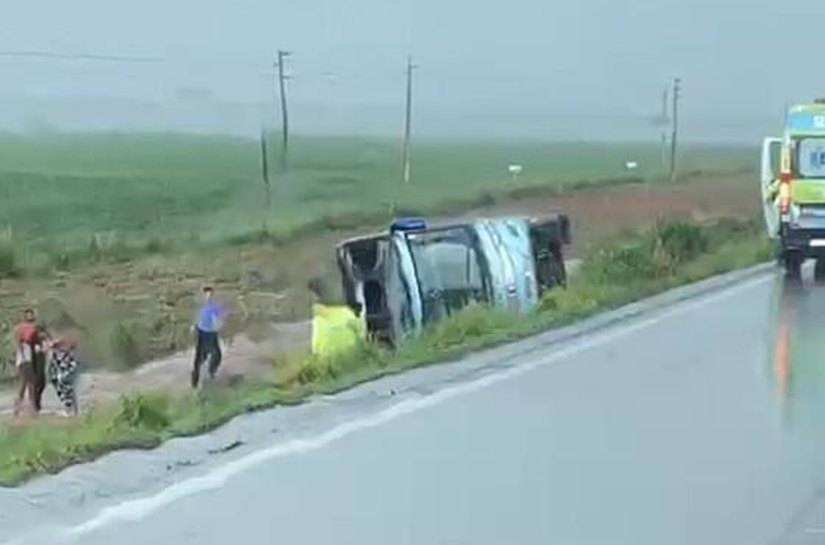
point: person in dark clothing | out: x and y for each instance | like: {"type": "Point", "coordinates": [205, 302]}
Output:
{"type": "Point", "coordinates": [39, 379]}
{"type": "Point", "coordinates": [207, 325]}
{"type": "Point", "coordinates": [39, 371]}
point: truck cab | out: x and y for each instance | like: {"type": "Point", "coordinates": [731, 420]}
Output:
{"type": "Point", "coordinates": [793, 188]}
{"type": "Point", "coordinates": [416, 273]}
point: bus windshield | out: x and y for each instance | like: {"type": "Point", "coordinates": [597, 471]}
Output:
{"type": "Point", "coordinates": [811, 157]}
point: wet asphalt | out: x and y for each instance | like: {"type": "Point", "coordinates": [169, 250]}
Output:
{"type": "Point", "coordinates": [701, 426]}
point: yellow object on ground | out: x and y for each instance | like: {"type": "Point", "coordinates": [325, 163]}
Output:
{"type": "Point", "coordinates": [335, 329]}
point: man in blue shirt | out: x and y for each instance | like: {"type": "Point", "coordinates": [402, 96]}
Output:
{"type": "Point", "coordinates": [207, 325]}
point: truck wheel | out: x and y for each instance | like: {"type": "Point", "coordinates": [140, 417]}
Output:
{"type": "Point", "coordinates": [793, 265]}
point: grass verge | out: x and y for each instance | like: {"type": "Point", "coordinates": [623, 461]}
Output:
{"type": "Point", "coordinates": [630, 267]}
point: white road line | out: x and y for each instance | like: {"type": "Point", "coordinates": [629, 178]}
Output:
{"type": "Point", "coordinates": [138, 509]}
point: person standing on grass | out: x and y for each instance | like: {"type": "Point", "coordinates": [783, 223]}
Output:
{"type": "Point", "coordinates": [25, 335]}
{"type": "Point", "coordinates": [62, 373]}
{"type": "Point", "coordinates": [30, 361]}
{"type": "Point", "coordinates": [207, 325]}
{"type": "Point", "coordinates": [39, 361]}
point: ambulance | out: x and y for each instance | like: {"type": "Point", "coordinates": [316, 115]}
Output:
{"type": "Point", "coordinates": [793, 188]}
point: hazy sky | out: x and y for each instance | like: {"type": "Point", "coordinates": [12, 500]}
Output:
{"type": "Point", "coordinates": [478, 60]}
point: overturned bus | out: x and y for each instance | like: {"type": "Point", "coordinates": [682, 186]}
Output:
{"type": "Point", "coordinates": [415, 274]}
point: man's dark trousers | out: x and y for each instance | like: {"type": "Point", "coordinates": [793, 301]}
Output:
{"type": "Point", "coordinates": [207, 344]}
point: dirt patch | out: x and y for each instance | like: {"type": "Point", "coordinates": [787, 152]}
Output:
{"type": "Point", "coordinates": [264, 285]}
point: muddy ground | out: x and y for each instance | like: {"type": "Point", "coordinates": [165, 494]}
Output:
{"type": "Point", "coordinates": [140, 310]}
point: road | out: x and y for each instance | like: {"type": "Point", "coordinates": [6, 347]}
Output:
{"type": "Point", "coordinates": [701, 422]}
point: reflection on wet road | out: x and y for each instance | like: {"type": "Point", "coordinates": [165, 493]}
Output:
{"type": "Point", "coordinates": [798, 363]}
{"type": "Point", "coordinates": [703, 426]}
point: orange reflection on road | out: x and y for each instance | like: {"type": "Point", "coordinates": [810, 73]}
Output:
{"type": "Point", "coordinates": [781, 359]}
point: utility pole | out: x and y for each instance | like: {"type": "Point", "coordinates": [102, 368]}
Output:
{"type": "Point", "coordinates": [282, 77]}
{"type": "Point", "coordinates": [663, 121]}
{"type": "Point", "coordinates": [265, 173]}
{"type": "Point", "coordinates": [677, 90]}
{"type": "Point", "coordinates": [408, 122]}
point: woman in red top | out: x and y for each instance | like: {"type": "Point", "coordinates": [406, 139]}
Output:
{"type": "Point", "coordinates": [26, 337]}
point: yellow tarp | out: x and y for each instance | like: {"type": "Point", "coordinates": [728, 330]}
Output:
{"type": "Point", "coordinates": [335, 329]}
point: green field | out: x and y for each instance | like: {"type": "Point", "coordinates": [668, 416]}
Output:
{"type": "Point", "coordinates": [59, 193]}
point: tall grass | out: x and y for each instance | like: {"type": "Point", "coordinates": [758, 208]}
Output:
{"type": "Point", "coordinates": [610, 276]}
{"type": "Point", "coordinates": [9, 266]}
{"type": "Point", "coordinates": [62, 195]}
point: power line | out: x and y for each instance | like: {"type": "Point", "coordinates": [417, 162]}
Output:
{"type": "Point", "coordinates": [76, 56]}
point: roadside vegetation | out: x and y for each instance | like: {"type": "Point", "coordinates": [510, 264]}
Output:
{"type": "Point", "coordinates": [629, 267]}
